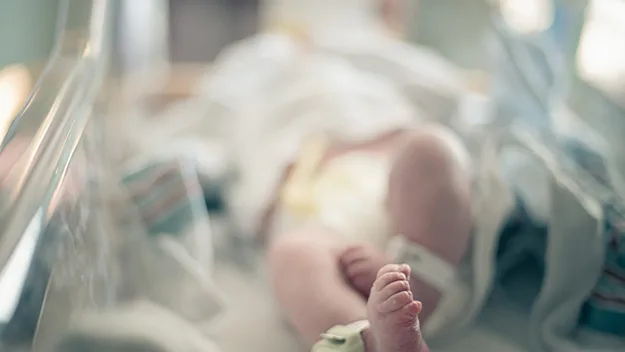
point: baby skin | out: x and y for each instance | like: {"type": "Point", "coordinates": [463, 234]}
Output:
{"type": "Point", "coordinates": [393, 313]}
{"type": "Point", "coordinates": [321, 282]}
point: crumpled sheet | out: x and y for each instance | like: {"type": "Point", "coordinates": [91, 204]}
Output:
{"type": "Point", "coordinates": [574, 300]}
{"type": "Point", "coordinates": [137, 326]}
{"type": "Point", "coordinates": [164, 254]}
{"type": "Point", "coordinates": [176, 251]}
{"type": "Point", "coordinates": [251, 320]}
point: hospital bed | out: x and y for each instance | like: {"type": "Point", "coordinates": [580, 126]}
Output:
{"type": "Point", "coordinates": [64, 265]}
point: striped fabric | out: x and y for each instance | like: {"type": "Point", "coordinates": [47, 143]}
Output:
{"type": "Point", "coordinates": [170, 201]}
{"type": "Point", "coordinates": [168, 195]}
{"type": "Point", "coordinates": [605, 309]}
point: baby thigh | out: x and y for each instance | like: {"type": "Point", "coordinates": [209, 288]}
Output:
{"type": "Point", "coordinates": [308, 283]}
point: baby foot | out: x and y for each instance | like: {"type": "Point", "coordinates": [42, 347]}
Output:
{"type": "Point", "coordinates": [361, 264]}
{"type": "Point", "coordinates": [393, 313]}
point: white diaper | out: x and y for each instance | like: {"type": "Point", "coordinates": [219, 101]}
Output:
{"type": "Point", "coordinates": [346, 195]}
{"type": "Point", "coordinates": [350, 194]}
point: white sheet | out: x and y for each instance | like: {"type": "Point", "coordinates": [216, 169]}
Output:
{"type": "Point", "coordinates": [252, 322]}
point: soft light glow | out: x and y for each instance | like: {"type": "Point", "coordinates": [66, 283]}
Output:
{"type": "Point", "coordinates": [601, 54]}
{"type": "Point", "coordinates": [15, 86]}
{"type": "Point", "coordinates": [527, 16]}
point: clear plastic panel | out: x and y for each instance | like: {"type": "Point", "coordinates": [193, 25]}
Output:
{"type": "Point", "coordinates": [51, 240]}
{"type": "Point", "coordinates": [74, 243]}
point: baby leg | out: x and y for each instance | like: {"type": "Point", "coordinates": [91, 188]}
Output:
{"type": "Point", "coordinates": [360, 263]}
{"type": "Point", "coordinates": [309, 285]}
{"type": "Point", "coordinates": [314, 295]}
{"type": "Point", "coordinates": [429, 200]}
{"type": "Point", "coordinates": [393, 316]}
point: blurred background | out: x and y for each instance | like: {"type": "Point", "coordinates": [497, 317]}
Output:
{"type": "Point", "coordinates": [79, 79]}
{"type": "Point", "coordinates": [187, 31]}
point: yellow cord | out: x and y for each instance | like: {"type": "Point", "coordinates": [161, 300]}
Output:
{"type": "Point", "coordinates": [292, 29]}
{"type": "Point", "coordinates": [297, 193]}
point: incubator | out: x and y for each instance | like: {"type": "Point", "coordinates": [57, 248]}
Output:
{"type": "Point", "coordinates": [75, 242]}
{"type": "Point", "coordinates": [112, 157]}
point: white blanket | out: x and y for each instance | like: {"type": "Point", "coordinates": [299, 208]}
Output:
{"type": "Point", "coordinates": [271, 91]}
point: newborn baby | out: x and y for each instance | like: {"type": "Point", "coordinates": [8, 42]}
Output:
{"type": "Point", "coordinates": [342, 172]}
{"type": "Point", "coordinates": [334, 273]}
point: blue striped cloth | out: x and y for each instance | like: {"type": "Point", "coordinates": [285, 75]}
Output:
{"type": "Point", "coordinates": [605, 308]}
{"type": "Point", "coordinates": [168, 195]}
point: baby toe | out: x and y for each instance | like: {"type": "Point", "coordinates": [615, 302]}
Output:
{"type": "Point", "coordinates": [396, 302]}
{"type": "Point", "coordinates": [393, 289]}
{"type": "Point", "coordinates": [351, 254]}
{"type": "Point", "coordinates": [386, 277]}
{"type": "Point", "coordinates": [388, 269]}
{"type": "Point", "coordinates": [405, 268]}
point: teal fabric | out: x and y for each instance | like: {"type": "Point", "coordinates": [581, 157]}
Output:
{"type": "Point", "coordinates": [168, 195]}
{"type": "Point", "coordinates": [605, 309]}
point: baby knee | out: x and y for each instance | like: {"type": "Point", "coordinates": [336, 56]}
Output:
{"type": "Point", "coordinates": [434, 150]}
{"type": "Point", "coordinates": [289, 248]}
{"type": "Point", "coordinates": [285, 247]}
{"type": "Point", "coordinates": [303, 248]}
